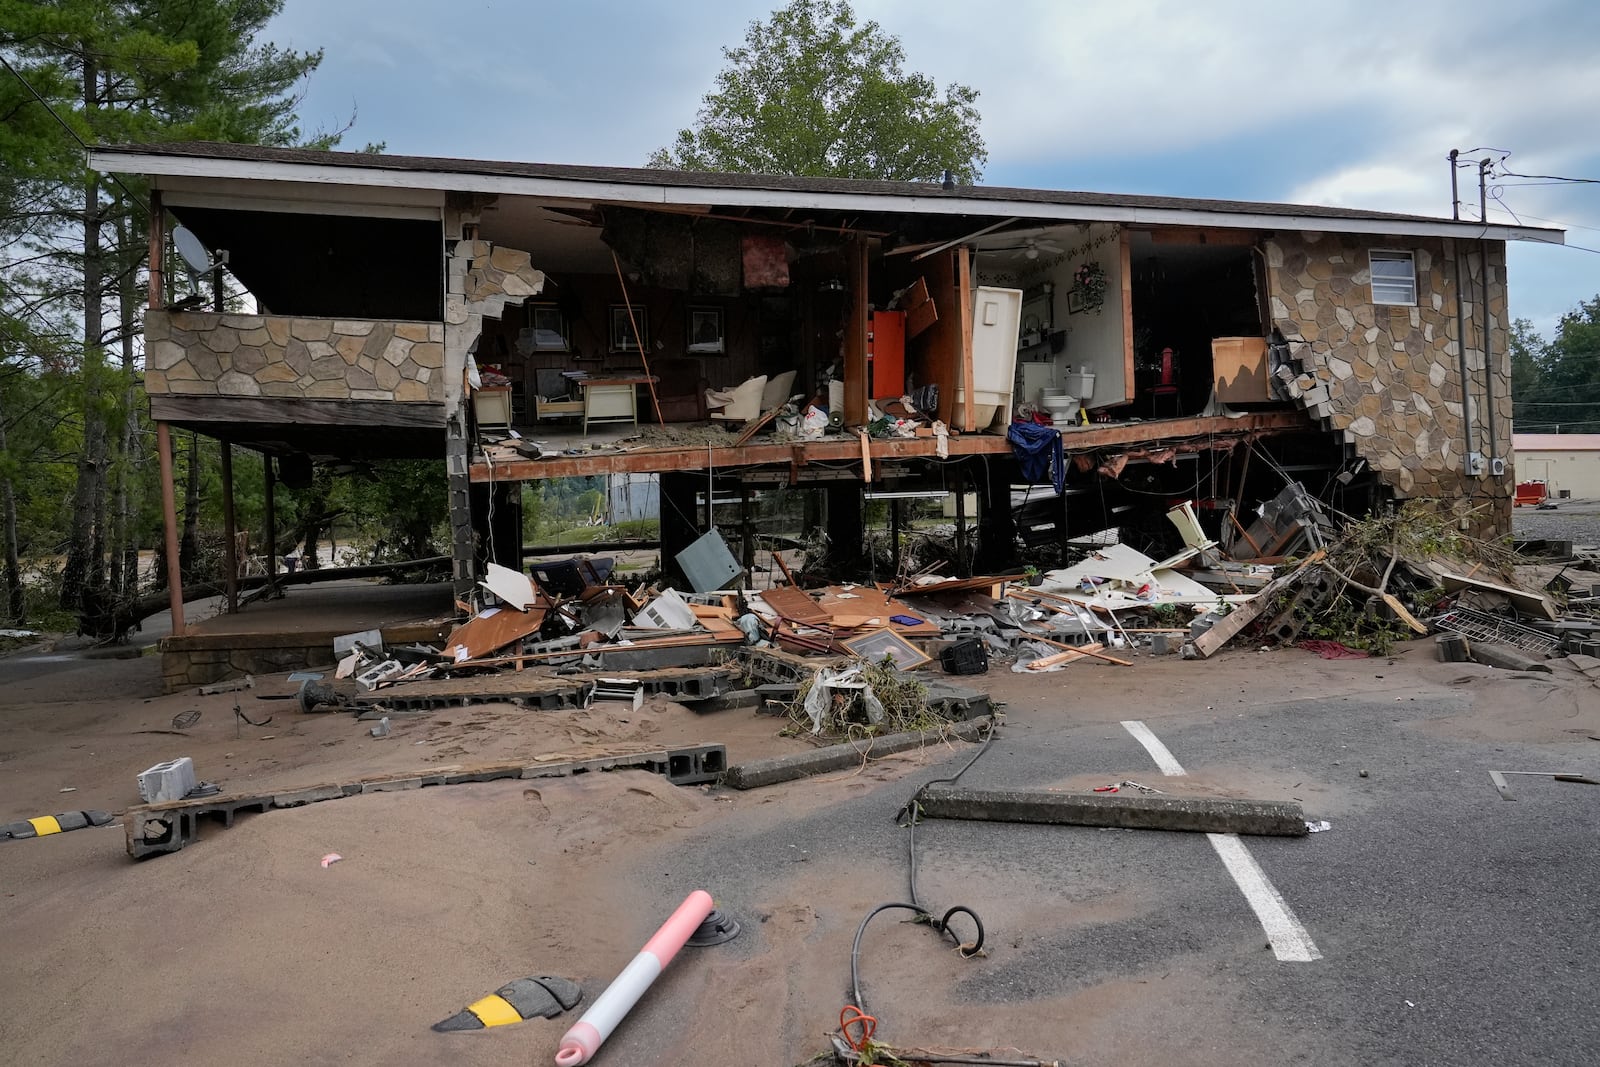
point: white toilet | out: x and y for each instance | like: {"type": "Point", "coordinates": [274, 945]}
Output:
{"type": "Point", "coordinates": [1061, 407]}
{"type": "Point", "coordinates": [1063, 404]}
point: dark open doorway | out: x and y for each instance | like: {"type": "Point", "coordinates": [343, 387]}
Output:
{"type": "Point", "coordinates": [1188, 291]}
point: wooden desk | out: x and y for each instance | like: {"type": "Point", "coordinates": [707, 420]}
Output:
{"type": "Point", "coordinates": [612, 399]}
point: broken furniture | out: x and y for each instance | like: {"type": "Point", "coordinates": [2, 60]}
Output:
{"type": "Point", "coordinates": [681, 392]}
{"type": "Point", "coordinates": [739, 404]}
{"type": "Point", "coordinates": [613, 399]}
{"type": "Point", "coordinates": [491, 405]}
{"type": "Point", "coordinates": [553, 398]}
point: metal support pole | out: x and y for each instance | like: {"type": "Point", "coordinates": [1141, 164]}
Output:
{"type": "Point", "coordinates": [962, 570]}
{"type": "Point", "coordinates": [1488, 349]}
{"type": "Point", "coordinates": [271, 521]}
{"type": "Point", "coordinates": [169, 514]}
{"type": "Point", "coordinates": [230, 534]}
{"type": "Point", "coordinates": [894, 537]}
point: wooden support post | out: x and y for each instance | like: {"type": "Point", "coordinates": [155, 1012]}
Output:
{"type": "Point", "coordinates": [169, 514]}
{"type": "Point", "coordinates": [158, 244]}
{"type": "Point", "coordinates": [230, 532]}
{"type": "Point", "coordinates": [855, 336]}
{"type": "Point", "coordinates": [271, 479]}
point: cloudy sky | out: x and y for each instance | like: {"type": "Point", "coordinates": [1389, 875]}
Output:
{"type": "Point", "coordinates": [1354, 104]}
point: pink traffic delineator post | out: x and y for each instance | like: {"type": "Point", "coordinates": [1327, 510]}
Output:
{"type": "Point", "coordinates": [580, 1043]}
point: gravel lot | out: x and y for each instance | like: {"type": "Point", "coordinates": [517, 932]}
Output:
{"type": "Point", "coordinates": [1577, 521]}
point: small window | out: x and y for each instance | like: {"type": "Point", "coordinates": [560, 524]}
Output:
{"type": "Point", "coordinates": [1394, 278]}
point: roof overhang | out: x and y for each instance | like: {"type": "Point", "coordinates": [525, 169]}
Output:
{"type": "Point", "coordinates": [690, 195]}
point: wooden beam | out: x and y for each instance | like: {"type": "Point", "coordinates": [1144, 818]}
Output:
{"type": "Point", "coordinates": [847, 449]}
{"type": "Point", "coordinates": [390, 414]}
{"type": "Point", "coordinates": [169, 515]}
{"type": "Point", "coordinates": [158, 244]}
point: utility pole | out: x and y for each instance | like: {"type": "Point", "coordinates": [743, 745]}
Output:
{"type": "Point", "coordinates": [1455, 190]}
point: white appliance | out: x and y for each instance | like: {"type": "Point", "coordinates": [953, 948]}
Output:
{"type": "Point", "coordinates": [996, 325]}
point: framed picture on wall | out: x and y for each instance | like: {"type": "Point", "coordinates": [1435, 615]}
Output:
{"type": "Point", "coordinates": [1077, 301]}
{"type": "Point", "coordinates": [706, 332]}
{"type": "Point", "coordinates": [625, 320]}
{"type": "Point", "coordinates": [547, 330]}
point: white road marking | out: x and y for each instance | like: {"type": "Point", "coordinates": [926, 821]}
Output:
{"type": "Point", "coordinates": [1152, 744]}
{"type": "Point", "coordinates": [1290, 940]}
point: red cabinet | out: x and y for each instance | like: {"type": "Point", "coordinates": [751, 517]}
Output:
{"type": "Point", "coordinates": [886, 355]}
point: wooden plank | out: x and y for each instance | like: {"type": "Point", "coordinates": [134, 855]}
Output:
{"type": "Point", "coordinates": [935, 356]}
{"type": "Point", "coordinates": [855, 336]}
{"type": "Point", "coordinates": [755, 425]}
{"type": "Point", "coordinates": [866, 457]}
{"type": "Point", "coordinates": [492, 630]}
{"type": "Point", "coordinates": [1068, 655]}
{"type": "Point", "coordinates": [797, 606]}
{"type": "Point", "coordinates": [292, 411]}
{"type": "Point", "coordinates": [922, 311]}
{"type": "Point", "coordinates": [1092, 650]}
{"type": "Point", "coordinates": [1198, 235]}
{"type": "Point", "coordinates": [963, 317]}
{"type": "Point", "coordinates": [1126, 251]}
{"type": "Point", "coordinates": [1226, 628]}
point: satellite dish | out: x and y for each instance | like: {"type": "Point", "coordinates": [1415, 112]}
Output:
{"type": "Point", "coordinates": [195, 255]}
{"type": "Point", "coordinates": [192, 250]}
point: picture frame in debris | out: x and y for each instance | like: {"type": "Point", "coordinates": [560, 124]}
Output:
{"type": "Point", "coordinates": [547, 330]}
{"type": "Point", "coordinates": [625, 319]}
{"type": "Point", "coordinates": [706, 332]}
{"type": "Point", "coordinates": [877, 644]}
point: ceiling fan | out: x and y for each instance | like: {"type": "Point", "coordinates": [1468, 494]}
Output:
{"type": "Point", "coordinates": [1032, 248]}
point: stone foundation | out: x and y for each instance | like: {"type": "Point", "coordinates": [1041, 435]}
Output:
{"type": "Point", "coordinates": [199, 353]}
{"type": "Point", "coordinates": [1388, 378]}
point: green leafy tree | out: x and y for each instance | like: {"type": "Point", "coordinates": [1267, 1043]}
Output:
{"type": "Point", "coordinates": [115, 71]}
{"type": "Point", "coordinates": [1555, 385]}
{"type": "Point", "coordinates": [812, 93]}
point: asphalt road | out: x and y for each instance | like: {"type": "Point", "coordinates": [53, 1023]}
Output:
{"type": "Point", "coordinates": [1454, 927]}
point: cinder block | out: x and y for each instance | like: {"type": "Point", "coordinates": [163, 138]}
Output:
{"type": "Point", "coordinates": [167, 781]}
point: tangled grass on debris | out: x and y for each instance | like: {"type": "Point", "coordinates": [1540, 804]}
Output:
{"type": "Point", "coordinates": [904, 700]}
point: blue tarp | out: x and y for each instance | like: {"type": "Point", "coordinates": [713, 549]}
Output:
{"type": "Point", "coordinates": [1038, 452]}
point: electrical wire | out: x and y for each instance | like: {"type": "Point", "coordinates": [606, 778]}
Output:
{"type": "Point", "coordinates": [907, 816]}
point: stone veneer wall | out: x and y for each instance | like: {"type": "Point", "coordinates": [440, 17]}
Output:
{"type": "Point", "coordinates": [208, 354]}
{"type": "Point", "coordinates": [1389, 378]}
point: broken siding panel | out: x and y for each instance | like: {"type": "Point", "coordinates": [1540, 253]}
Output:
{"type": "Point", "coordinates": [1388, 378]}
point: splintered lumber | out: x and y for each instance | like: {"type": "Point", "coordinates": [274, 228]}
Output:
{"type": "Point", "coordinates": [1206, 815]}
{"type": "Point", "coordinates": [1070, 653]}
{"type": "Point", "coordinates": [1227, 628]}
{"type": "Point", "coordinates": [756, 424]}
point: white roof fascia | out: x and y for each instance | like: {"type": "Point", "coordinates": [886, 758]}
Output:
{"type": "Point", "coordinates": [910, 203]}
{"type": "Point", "coordinates": [303, 198]}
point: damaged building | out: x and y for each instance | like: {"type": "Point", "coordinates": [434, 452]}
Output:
{"type": "Point", "coordinates": [855, 339]}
